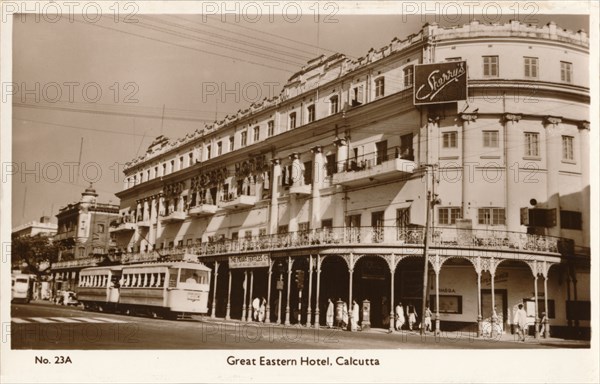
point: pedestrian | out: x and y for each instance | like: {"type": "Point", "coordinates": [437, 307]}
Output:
{"type": "Point", "coordinates": [329, 314]}
{"type": "Point", "coordinates": [427, 321]}
{"type": "Point", "coordinates": [354, 324]}
{"type": "Point", "coordinates": [255, 308]}
{"type": "Point", "coordinates": [521, 321]}
{"type": "Point", "coordinates": [262, 310]}
{"type": "Point", "coordinates": [544, 326]}
{"type": "Point", "coordinates": [385, 312]}
{"type": "Point", "coordinates": [412, 316]}
{"type": "Point", "coordinates": [399, 316]}
{"type": "Point", "coordinates": [344, 315]}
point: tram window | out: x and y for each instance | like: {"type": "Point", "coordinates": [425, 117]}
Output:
{"type": "Point", "coordinates": [173, 277]}
{"type": "Point", "coordinates": [189, 276]}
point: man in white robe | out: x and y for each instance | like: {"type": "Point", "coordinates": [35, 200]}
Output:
{"type": "Point", "coordinates": [399, 316]}
{"type": "Point", "coordinates": [354, 321]}
{"type": "Point", "coordinates": [329, 315]}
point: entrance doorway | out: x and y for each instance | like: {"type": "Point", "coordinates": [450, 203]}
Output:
{"type": "Point", "coordinates": [500, 297]}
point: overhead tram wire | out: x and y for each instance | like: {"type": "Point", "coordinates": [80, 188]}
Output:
{"type": "Point", "coordinates": [185, 46]}
{"type": "Point", "coordinates": [308, 54]}
{"type": "Point", "coordinates": [269, 49]}
{"type": "Point", "coordinates": [217, 44]}
{"type": "Point", "coordinates": [105, 112]}
{"type": "Point", "coordinates": [284, 38]}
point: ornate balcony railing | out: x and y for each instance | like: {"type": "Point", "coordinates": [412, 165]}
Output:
{"type": "Point", "coordinates": [384, 236]}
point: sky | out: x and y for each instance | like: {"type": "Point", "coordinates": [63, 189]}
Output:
{"type": "Point", "coordinates": [100, 92]}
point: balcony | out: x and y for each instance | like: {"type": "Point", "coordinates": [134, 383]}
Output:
{"type": "Point", "coordinates": [374, 167]}
{"type": "Point", "coordinates": [391, 236]}
{"type": "Point", "coordinates": [143, 223]}
{"type": "Point", "coordinates": [173, 217]}
{"type": "Point", "coordinates": [202, 210]}
{"type": "Point", "coordinates": [123, 228]}
{"type": "Point", "coordinates": [233, 202]}
{"type": "Point", "coordinates": [305, 189]}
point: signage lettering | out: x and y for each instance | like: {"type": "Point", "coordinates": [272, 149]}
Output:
{"type": "Point", "coordinates": [440, 83]}
{"type": "Point", "coordinates": [255, 261]}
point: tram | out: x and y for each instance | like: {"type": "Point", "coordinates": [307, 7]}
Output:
{"type": "Point", "coordinates": [170, 290]}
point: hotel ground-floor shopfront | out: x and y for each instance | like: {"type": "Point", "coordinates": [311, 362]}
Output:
{"type": "Point", "coordinates": [298, 276]}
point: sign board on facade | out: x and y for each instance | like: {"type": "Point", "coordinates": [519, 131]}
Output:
{"type": "Point", "coordinates": [440, 82]}
{"type": "Point", "coordinates": [254, 261]}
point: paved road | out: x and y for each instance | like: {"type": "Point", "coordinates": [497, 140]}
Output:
{"type": "Point", "coordinates": [47, 326]}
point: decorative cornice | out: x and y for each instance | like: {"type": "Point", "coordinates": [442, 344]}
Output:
{"type": "Point", "coordinates": [514, 117]}
{"type": "Point", "coordinates": [339, 142]}
{"type": "Point", "coordinates": [433, 118]}
{"type": "Point", "coordinates": [470, 117]}
{"type": "Point", "coordinates": [552, 120]}
{"type": "Point", "coordinates": [584, 124]}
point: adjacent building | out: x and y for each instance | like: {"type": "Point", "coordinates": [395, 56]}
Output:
{"type": "Point", "coordinates": [325, 189]}
{"type": "Point", "coordinates": [33, 228]}
{"type": "Point", "coordinates": [84, 236]}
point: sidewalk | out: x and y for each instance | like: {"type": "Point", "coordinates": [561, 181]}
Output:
{"type": "Point", "coordinates": [505, 337]}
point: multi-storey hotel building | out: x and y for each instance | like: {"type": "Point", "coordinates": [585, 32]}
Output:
{"type": "Point", "coordinates": [333, 177]}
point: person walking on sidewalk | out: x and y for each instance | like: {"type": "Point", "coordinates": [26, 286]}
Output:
{"type": "Point", "coordinates": [427, 322]}
{"type": "Point", "coordinates": [399, 316]}
{"type": "Point", "coordinates": [521, 321]}
{"type": "Point", "coordinates": [329, 315]}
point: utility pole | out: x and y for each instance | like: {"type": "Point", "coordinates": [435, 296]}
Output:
{"type": "Point", "coordinates": [431, 201]}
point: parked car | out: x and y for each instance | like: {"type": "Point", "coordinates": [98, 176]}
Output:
{"type": "Point", "coordinates": [66, 298]}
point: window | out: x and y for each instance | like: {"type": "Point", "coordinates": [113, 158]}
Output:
{"type": "Point", "coordinates": [219, 148]}
{"type": "Point", "coordinates": [292, 120]}
{"type": "Point", "coordinates": [491, 216]}
{"type": "Point", "coordinates": [380, 87]}
{"type": "Point", "coordinates": [282, 229]}
{"type": "Point", "coordinates": [532, 144]}
{"type": "Point", "coordinates": [256, 134]}
{"type": "Point", "coordinates": [172, 165]}
{"type": "Point", "coordinates": [448, 215]}
{"type": "Point", "coordinates": [531, 67]}
{"type": "Point", "coordinates": [570, 219]}
{"type": "Point", "coordinates": [231, 143]}
{"type": "Point", "coordinates": [270, 128]}
{"type": "Point", "coordinates": [311, 113]}
{"type": "Point", "coordinates": [490, 66]}
{"type": "Point", "coordinates": [408, 76]}
{"type": "Point", "coordinates": [81, 251]}
{"type": "Point", "coordinates": [100, 228]}
{"type": "Point", "coordinates": [308, 171]}
{"type": "Point", "coordinates": [454, 59]}
{"type": "Point", "coordinates": [208, 152]}
{"type": "Point", "coordinates": [327, 223]}
{"type": "Point", "coordinates": [191, 158]}
{"type": "Point", "coordinates": [490, 139]}
{"type": "Point", "coordinates": [357, 95]}
{"type": "Point", "coordinates": [147, 175]}
{"type": "Point", "coordinates": [381, 148]}
{"type": "Point", "coordinates": [566, 71]}
{"type": "Point", "coordinates": [449, 140]}
{"type": "Point", "coordinates": [181, 162]}
{"type": "Point", "coordinates": [262, 232]}
{"type": "Point", "coordinates": [334, 104]}
{"type": "Point", "coordinates": [567, 148]}
{"type": "Point", "coordinates": [155, 171]}
{"type": "Point", "coordinates": [244, 139]}
{"type": "Point", "coordinates": [164, 170]}
{"type": "Point", "coordinates": [406, 147]}
{"type": "Point", "coordinates": [331, 164]}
